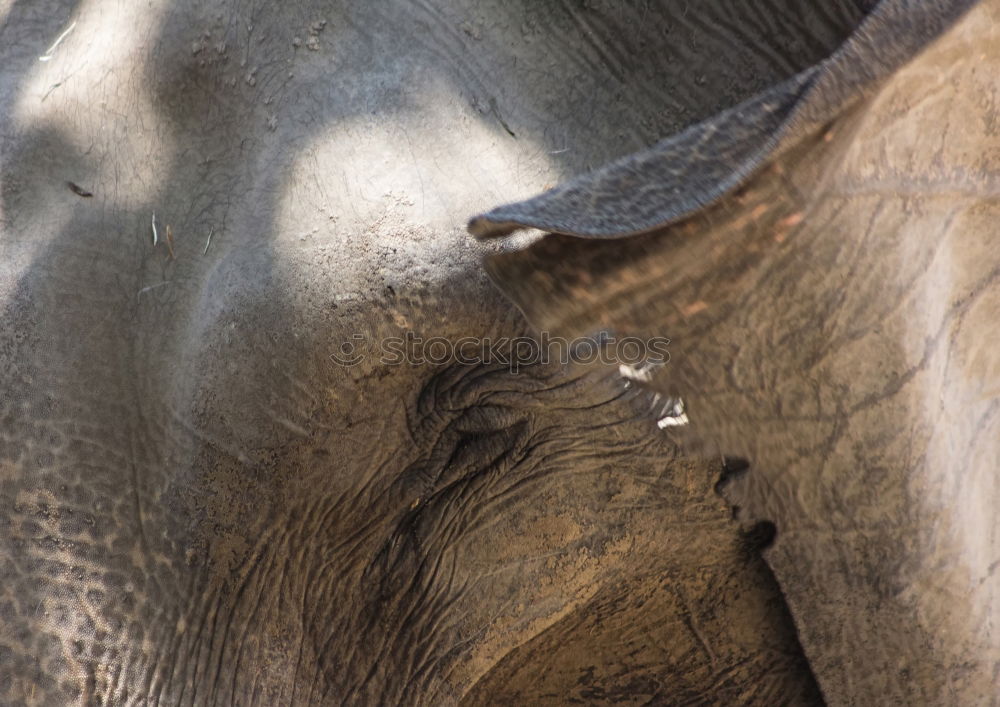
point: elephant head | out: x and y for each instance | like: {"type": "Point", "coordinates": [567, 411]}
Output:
{"type": "Point", "coordinates": [222, 483]}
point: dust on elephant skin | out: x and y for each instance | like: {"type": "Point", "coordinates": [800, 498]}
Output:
{"type": "Point", "coordinates": [832, 315]}
{"type": "Point", "coordinates": [200, 506]}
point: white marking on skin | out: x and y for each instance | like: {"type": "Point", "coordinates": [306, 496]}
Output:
{"type": "Point", "coordinates": [636, 374]}
{"type": "Point", "coordinates": [673, 414]}
{"type": "Point", "coordinates": [666, 422]}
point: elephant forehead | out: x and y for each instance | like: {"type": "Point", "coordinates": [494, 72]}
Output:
{"type": "Point", "coordinates": [386, 196]}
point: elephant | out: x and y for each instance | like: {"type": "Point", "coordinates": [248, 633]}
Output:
{"type": "Point", "coordinates": [216, 488]}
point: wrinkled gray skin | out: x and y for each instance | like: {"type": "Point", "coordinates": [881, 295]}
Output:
{"type": "Point", "coordinates": [834, 310]}
{"type": "Point", "coordinates": [198, 506]}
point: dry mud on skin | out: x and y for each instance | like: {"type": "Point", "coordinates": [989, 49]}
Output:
{"type": "Point", "coordinates": [833, 323]}
{"type": "Point", "coordinates": [200, 507]}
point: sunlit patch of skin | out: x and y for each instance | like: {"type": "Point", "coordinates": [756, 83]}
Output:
{"type": "Point", "coordinates": [75, 92]}
{"type": "Point", "coordinates": [382, 195]}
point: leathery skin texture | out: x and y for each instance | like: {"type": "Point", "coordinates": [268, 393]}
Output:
{"type": "Point", "coordinates": [833, 321]}
{"type": "Point", "coordinates": [199, 506]}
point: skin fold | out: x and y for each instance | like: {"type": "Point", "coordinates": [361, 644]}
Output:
{"type": "Point", "coordinates": [199, 505]}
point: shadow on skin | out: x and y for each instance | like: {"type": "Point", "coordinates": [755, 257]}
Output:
{"type": "Point", "coordinates": [175, 437]}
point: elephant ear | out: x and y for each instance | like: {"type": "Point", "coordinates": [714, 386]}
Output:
{"type": "Point", "coordinates": [679, 177]}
